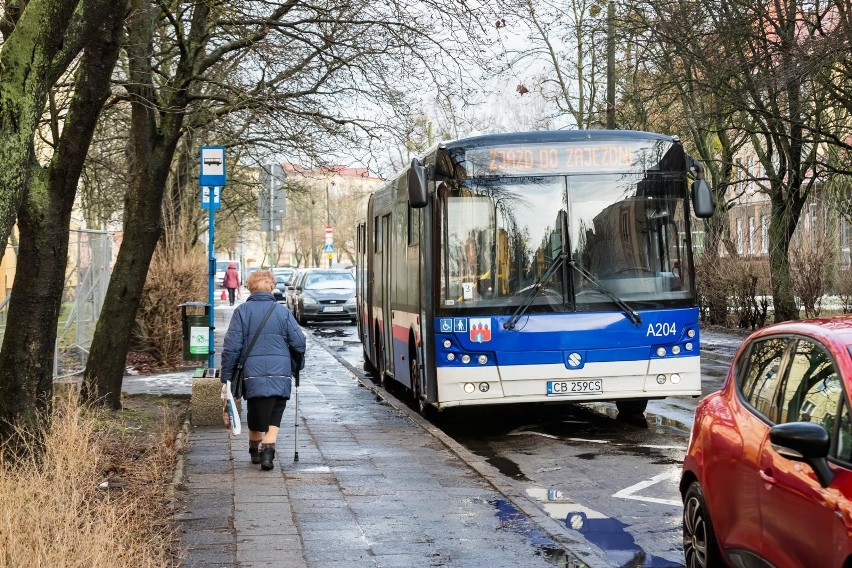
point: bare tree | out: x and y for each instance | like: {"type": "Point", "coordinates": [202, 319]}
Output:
{"type": "Point", "coordinates": [299, 76]}
{"type": "Point", "coordinates": [26, 358]}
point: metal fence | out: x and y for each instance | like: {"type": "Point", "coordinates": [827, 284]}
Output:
{"type": "Point", "coordinates": [90, 261]}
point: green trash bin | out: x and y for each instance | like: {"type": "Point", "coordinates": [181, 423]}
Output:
{"type": "Point", "coordinates": [196, 331]}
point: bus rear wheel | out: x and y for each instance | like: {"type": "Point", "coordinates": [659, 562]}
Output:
{"type": "Point", "coordinates": [631, 407]}
{"type": "Point", "coordinates": [380, 371]}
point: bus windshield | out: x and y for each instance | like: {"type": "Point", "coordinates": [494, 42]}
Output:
{"type": "Point", "coordinates": [500, 235]}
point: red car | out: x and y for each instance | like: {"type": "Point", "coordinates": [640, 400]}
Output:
{"type": "Point", "coordinates": [767, 477]}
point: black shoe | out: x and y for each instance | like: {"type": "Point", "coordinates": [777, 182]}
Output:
{"type": "Point", "coordinates": [267, 454]}
{"type": "Point", "coordinates": [254, 452]}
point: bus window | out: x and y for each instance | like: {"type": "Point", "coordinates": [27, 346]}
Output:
{"type": "Point", "coordinates": [469, 233]}
{"type": "Point", "coordinates": [413, 226]}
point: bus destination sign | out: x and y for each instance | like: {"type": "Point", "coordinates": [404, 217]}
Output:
{"type": "Point", "coordinates": [568, 158]}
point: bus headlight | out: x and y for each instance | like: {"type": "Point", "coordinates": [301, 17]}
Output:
{"type": "Point", "coordinates": [483, 387]}
{"type": "Point", "coordinates": [465, 358]}
{"type": "Point", "coordinates": [688, 346]}
{"type": "Point", "coordinates": [675, 378]}
{"type": "Point", "coordinates": [482, 359]}
{"type": "Point", "coordinates": [675, 349]}
{"type": "Point", "coordinates": [469, 388]}
{"type": "Point", "coordinates": [690, 333]}
{"type": "Point", "coordinates": [447, 344]}
{"type": "Point", "coordinates": [661, 351]}
{"type": "Point", "coordinates": [451, 356]}
{"type": "Point", "coordinates": [661, 379]}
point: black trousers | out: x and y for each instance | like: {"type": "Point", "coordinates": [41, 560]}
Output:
{"type": "Point", "coordinates": [231, 293]}
{"type": "Point", "coordinates": [264, 412]}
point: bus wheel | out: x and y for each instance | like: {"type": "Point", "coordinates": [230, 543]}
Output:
{"type": "Point", "coordinates": [368, 366]}
{"type": "Point", "coordinates": [380, 372]}
{"type": "Point", "coordinates": [423, 408]}
{"type": "Point", "coordinates": [632, 407]}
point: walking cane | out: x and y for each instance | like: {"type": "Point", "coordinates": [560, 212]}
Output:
{"type": "Point", "coordinates": [296, 423]}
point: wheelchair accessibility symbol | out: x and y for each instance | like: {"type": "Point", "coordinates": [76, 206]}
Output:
{"type": "Point", "coordinates": [446, 325]}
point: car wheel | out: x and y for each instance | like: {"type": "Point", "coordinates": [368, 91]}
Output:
{"type": "Point", "coordinates": [700, 548]}
{"type": "Point", "coordinates": [632, 407]}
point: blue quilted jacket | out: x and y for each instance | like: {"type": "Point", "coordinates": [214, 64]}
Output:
{"type": "Point", "coordinates": [270, 364]}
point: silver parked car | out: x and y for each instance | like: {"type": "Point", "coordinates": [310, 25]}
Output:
{"type": "Point", "coordinates": [324, 294]}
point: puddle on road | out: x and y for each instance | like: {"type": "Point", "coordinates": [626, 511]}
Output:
{"type": "Point", "coordinates": [607, 533]}
{"type": "Point", "coordinates": [517, 522]}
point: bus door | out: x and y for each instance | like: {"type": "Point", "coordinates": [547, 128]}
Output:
{"type": "Point", "coordinates": [386, 283]}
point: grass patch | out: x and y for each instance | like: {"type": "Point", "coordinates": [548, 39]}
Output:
{"type": "Point", "coordinates": [96, 493]}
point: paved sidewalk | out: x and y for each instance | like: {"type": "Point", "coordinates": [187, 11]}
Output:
{"type": "Point", "coordinates": [372, 487]}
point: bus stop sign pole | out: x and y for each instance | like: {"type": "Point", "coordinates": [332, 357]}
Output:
{"type": "Point", "coordinates": [212, 180]}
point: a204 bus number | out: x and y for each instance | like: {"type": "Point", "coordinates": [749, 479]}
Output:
{"type": "Point", "coordinates": [661, 329]}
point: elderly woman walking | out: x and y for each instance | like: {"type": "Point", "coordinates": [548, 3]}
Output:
{"type": "Point", "coordinates": [278, 353]}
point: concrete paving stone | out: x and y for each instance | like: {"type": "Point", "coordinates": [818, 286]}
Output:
{"type": "Point", "coordinates": [261, 510]}
{"type": "Point", "coordinates": [219, 523]}
{"type": "Point", "coordinates": [204, 558]}
{"type": "Point", "coordinates": [283, 542]}
{"type": "Point", "coordinates": [286, 562]}
{"type": "Point", "coordinates": [341, 540]}
{"type": "Point", "coordinates": [341, 517]}
{"type": "Point", "coordinates": [315, 477]}
{"type": "Point", "coordinates": [324, 556]}
{"type": "Point", "coordinates": [264, 524]}
{"type": "Point", "coordinates": [398, 561]}
{"type": "Point", "coordinates": [202, 490]}
{"type": "Point", "coordinates": [267, 529]}
{"type": "Point", "coordinates": [204, 538]}
{"type": "Point", "coordinates": [272, 558]}
{"type": "Point", "coordinates": [324, 525]}
{"type": "Point", "coordinates": [219, 511]}
{"type": "Point", "coordinates": [356, 563]}
{"type": "Point", "coordinates": [328, 506]}
{"type": "Point", "coordinates": [312, 492]}
{"type": "Point", "coordinates": [260, 498]}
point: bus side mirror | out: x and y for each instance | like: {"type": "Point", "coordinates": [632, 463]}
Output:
{"type": "Point", "coordinates": [416, 184]}
{"type": "Point", "coordinates": [702, 199]}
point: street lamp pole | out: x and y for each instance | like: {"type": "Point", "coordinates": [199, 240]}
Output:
{"type": "Point", "coordinates": [327, 216]}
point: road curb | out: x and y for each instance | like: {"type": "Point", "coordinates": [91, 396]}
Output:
{"type": "Point", "coordinates": [585, 553]}
{"type": "Point", "coordinates": [177, 477]}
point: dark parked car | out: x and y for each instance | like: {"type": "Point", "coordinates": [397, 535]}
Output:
{"type": "Point", "coordinates": [282, 280]}
{"type": "Point", "coordinates": [767, 478]}
{"type": "Point", "coordinates": [324, 294]}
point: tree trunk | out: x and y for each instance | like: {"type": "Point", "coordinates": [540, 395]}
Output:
{"type": "Point", "coordinates": [153, 148]}
{"type": "Point", "coordinates": [26, 358]}
{"type": "Point", "coordinates": [785, 214]}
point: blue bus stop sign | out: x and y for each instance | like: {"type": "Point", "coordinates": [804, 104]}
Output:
{"type": "Point", "coordinates": [212, 166]}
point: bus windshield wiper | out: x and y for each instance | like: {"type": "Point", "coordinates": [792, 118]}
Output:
{"type": "Point", "coordinates": [554, 265]}
{"type": "Point", "coordinates": [631, 314]}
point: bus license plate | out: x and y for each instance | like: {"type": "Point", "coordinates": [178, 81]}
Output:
{"type": "Point", "coordinates": [333, 309]}
{"type": "Point", "coordinates": [558, 388]}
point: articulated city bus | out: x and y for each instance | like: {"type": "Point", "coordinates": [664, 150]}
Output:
{"type": "Point", "coordinates": [535, 267]}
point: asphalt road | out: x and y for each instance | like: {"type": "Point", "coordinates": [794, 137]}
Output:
{"type": "Point", "coordinates": [613, 481]}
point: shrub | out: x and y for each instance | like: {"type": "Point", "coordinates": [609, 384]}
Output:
{"type": "Point", "coordinates": [55, 511]}
{"type": "Point", "coordinates": [175, 277]}
{"type": "Point", "coordinates": [733, 291]}
{"type": "Point", "coordinates": [844, 289]}
{"type": "Point", "coordinates": [810, 263]}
